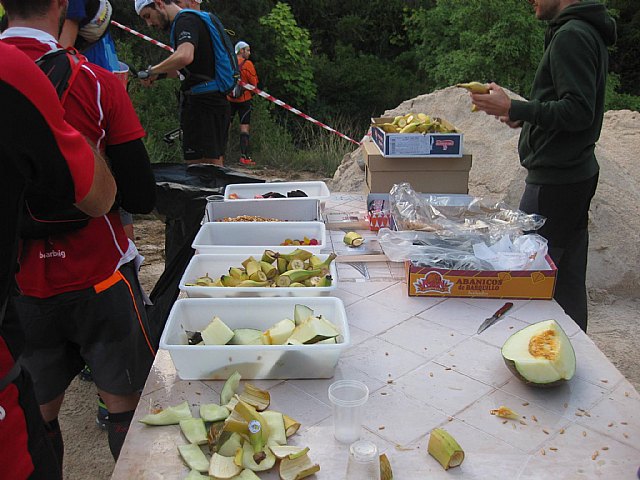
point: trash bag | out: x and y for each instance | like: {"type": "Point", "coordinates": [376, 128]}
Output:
{"type": "Point", "coordinates": [181, 193]}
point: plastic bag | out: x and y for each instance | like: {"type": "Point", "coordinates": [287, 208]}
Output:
{"type": "Point", "coordinates": [445, 214]}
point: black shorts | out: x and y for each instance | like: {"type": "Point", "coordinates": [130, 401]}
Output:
{"type": "Point", "coordinates": [105, 327]}
{"type": "Point", "coordinates": [243, 109]}
{"type": "Point", "coordinates": [204, 120]}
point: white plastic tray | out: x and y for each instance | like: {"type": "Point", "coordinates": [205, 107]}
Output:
{"type": "Point", "coordinates": [216, 265]}
{"type": "Point", "coordinates": [247, 237]}
{"type": "Point", "coordinates": [302, 210]}
{"type": "Point", "coordinates": [212, 362]}
{"type": "Point", "coordinates": [247, 191]}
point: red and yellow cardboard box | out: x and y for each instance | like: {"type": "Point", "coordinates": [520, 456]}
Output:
{"type": "Point", "coordinates": [514, 284]}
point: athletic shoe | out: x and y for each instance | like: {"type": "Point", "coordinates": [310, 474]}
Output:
{"type": "Point", "coordinates": [246, 161]}
{"type": "Point", "coordinates": [85, 374]}
{"type": "Point", "coordinates": [103, 414]}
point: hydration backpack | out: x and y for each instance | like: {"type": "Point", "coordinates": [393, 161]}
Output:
{"type": "Point", "coordinates": [238, 90]}
{"type": "Point", "coordinates": [226, 74]}
{"type": "Point", "coordinates": [41, 216]}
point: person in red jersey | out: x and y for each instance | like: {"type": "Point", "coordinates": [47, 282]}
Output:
{"type": "Point", "coordinates": [55, 158]}
{"type": "Point", "coordinates": [81, 301]}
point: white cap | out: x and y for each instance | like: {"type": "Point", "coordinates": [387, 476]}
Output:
{"type": "Point", "coordinates": [240, 45]}
{"type": "Point", "coordinates": [140, 4]}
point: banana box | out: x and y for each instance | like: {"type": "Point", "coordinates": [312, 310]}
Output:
{"type": "Point", "coordinates": [514, 284]}
{"type": "Point", "coordinates": [424, 137]}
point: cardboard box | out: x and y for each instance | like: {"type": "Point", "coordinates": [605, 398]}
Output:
{"type": "Point", "coordinates": [395, 145]}
{"type": "Point", "coordinates": [516, 284]}
{"type": "Point", "coordinates": [429, 175]}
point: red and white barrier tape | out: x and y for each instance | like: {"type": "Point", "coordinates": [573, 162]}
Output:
{"type": "Point", "coordinates": [245, 85]}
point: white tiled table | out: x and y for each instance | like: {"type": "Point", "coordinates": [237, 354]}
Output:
{"type": "Point", "coordinates": [426, 368]}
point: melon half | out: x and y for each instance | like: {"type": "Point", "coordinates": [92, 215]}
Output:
{"type": "Point", "coordinates": [540, 354]}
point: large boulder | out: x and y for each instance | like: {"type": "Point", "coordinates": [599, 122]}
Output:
{"type": "Point", "coordinates": [496, 173]}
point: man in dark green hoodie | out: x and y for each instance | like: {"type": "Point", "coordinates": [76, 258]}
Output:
{"type": "Point", "coordinates": [561, 124]}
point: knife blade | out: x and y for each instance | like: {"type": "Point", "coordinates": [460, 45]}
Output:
{"type": "Point", "coordinates": [495, 317]}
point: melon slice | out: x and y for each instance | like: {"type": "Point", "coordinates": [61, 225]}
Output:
{"type": "Point", "coordinates": [540, 354]}
{"type": "Point", "coordinates": [216, 333]}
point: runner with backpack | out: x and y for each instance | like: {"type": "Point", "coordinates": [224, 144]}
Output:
{"type": "Point", "coordinates": [204, 56]}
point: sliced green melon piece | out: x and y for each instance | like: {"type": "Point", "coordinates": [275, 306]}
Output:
{"type": "Point", "coordinates": [275, 421]}
{"type": "Point", "coordinates": [196, 475]}
{"type": "Point", "coordinates": [246, 474]}
{"type": "Point", "coordinates": [217, 333]}
{"type": "Point", "coordinates": [540, 354]}
{"type": "Point", "coordinates": [168, 416]}
{"type": "Point", "coordinates": [194, 430]}
{"type": "Point", "coordinates": [231, 445]}
{"type": "Point", "coordinates": [249, 462]}
{"type": "Point", "coordinates": [301, 313]}
{"type": "Point", "coordinates": [246, 336]}
{"type": "Point", "coordinates": [230, 387]}
{"type": "Point", "coordinates": [193, 457]}
{"type": "Point", "coordinates": [314, 329]}
{"type": "Point", "coordinates": [279, 333]}
{"type": "Point", "coordinates": [212, 412]}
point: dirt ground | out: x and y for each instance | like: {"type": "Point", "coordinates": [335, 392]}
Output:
{"type": "Point", "coordinates": [613, 326]}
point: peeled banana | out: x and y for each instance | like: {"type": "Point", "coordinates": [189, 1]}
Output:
{"type": "Point", "coordinates": [474, 87]}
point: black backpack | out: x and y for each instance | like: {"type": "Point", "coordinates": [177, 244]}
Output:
{"type": "Point", "coordinates": [41, 216]}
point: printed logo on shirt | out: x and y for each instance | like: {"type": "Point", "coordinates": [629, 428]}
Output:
{"type": "Point", "coordinates": [184, 36]}
{"type": "Point", "coordinates": [53, 254]}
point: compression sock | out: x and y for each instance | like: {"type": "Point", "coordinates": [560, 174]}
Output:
{"type": "Point", "coordinates": [117, 428]}
{"type": "Point", "coordinates": [244, 144]}
{"type": "Point", "coordinates": [55, 436]}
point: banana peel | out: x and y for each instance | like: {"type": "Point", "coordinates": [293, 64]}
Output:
{"type": "Point", "coordinates": [223, 467]}
{"type": "Point", "coordinates": [353, 239]}
{"type": "Point", "coordinates": [297, 466]}
{"type": "Point", "coordinates": [444, 448]}
{"type": "Point", "coordinates": [385, 468]}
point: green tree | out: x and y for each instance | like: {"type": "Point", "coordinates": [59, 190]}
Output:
{"type": "Point", "coordinates": [289, 69]}
{"type": "Point", "coordinates": [482, 40]}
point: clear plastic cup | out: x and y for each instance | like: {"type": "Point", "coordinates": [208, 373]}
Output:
{"type": "Point", "coordinates": [348, 398]}
{"type": "Point", "coordinates": [364, 462]}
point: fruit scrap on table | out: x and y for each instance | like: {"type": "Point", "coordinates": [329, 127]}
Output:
{"type": "Point", "coordinates": [243, 437]}
{"type": "Point", "coordinates": [505, 412]}
{"type": "Point", "coordinates": [353, 239]}
{"type": "Point", "coordinates": [444, 448]}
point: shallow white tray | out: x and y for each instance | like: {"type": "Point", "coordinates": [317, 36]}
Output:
{"type": "Point", "coordinates": [247, 237]}
{"type": "Point", "coordinates": [316, 190]}
{"type": "Point", "coordinates": [303, 210]}
{"type": "Point", "coordinates": [216, 265]}
{"type": "Point", "coordinates": [212, 362]}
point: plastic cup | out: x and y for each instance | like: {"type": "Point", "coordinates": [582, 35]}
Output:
{"type": "Point", "coordinates": [348, 398]}
{"type": "Point", "coordinates": [364, 462]}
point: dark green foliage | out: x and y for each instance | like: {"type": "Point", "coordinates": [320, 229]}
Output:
{"type": "Point", "coordinates": [480, 40]}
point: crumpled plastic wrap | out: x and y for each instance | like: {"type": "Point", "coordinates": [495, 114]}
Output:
{"type": "Point", "coordinates": [472, 251]}
{"type": "Point", "coordinates": [440, 213]}
{"type": "Point", "coordinates": [438, 231]}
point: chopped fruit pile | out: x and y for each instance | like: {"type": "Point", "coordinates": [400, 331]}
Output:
{"type": "Point", "coordinates": [304, 241]}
